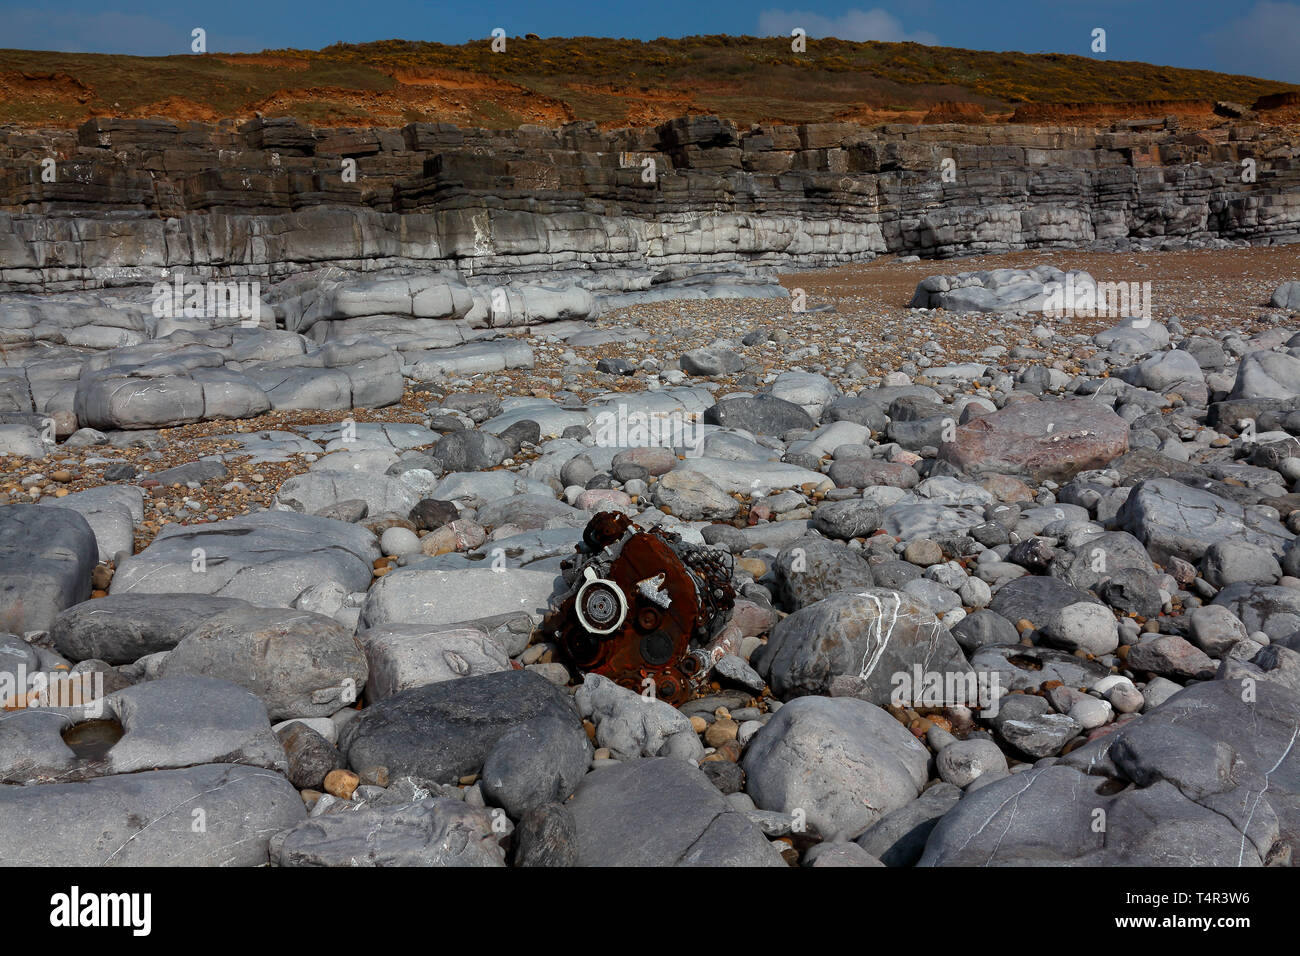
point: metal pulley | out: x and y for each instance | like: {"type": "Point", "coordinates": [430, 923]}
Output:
{"type": "Point", "coordinates": [600, 606]}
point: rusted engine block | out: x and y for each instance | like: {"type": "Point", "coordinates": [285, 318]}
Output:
{"type": "Point", "coordinates": [640, 606]}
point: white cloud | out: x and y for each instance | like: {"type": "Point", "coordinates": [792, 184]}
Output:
{"type": "Point", "coordinates": [1265, 42]}
{"type": "Point", "coordinates": [858, 25]}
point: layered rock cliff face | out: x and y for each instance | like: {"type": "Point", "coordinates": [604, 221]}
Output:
{"type": "Point", "coordinates": [132, 200]}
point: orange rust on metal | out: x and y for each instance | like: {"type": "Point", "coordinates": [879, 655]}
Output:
{"type": "Point", "coordinates": [637, 600]}
{"type": "Point", "coordinates": [653, 640]}
{"type": "Point", "coordinates": [604, 529]}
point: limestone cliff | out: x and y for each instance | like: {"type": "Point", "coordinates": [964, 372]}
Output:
{"type": "Point", "coordinates": [611, 211]}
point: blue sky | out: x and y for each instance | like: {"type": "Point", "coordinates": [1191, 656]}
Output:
{"type": "Point", "coordinates": [1257, 37]}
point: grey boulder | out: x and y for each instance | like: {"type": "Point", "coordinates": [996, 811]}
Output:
{"type": "Point", "coordinates": [1273, 609]}
{"type": "Point", "coordinates": [633, 726]}
{"type": "Point", "coordinates": [437, 831]}
{"type": "Point", "coordinates": [810, 568]}
{"type": "Point", "coordinates": [447, 730]}
{"type": "Point", "coordinates": [871, 635]}
{"type": "Point", "coordinates": [112, 511]}
{"type": "Point", "coordinates": [299, 663]}
{"type": "Point", "coordinates": [843, 761]}
{"type": "Point", "coordinates": [46, 556]}
{"type": "Point", "coordinates": [402, 656]}
{"type": "Point", "coordinates": [898, 839]}
{"type": "Point", "coordinates": [1056, 816]}
{"type": "Point", "coordinates": [662, 812]}
{"type": "Point", "coordinates": [314, 491]}
{"type": "Point", "coordinates": [693, 497]}
{"type": "Point", "coordinates": [1286, 296]}
{"type": "Point", "coordinates": [535, 764]}
{"type": "Point", "coordinates": [122, 628]}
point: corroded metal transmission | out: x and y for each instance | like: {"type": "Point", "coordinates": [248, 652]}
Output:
{"type": "Point", "coordinates": [640, 605]}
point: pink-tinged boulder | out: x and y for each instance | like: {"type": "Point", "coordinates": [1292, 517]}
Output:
{"type": "Point", "coordinates": [602, 499]}
{"type": "Point", "coordinates": [1043, 440]}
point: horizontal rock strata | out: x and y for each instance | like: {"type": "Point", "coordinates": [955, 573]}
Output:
{"type": "Point", "coordinates": [131, 199]}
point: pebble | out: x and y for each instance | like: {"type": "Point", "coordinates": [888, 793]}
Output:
{"type": "Point", "coordinates": [720, 732]}
{"type": "Point", "coordinates": [923, 552]}
{"type": "Point", "coordinates": [341, 783]}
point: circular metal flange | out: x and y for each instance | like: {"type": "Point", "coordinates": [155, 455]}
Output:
{"type": "Point", "coordinates": [600, 606]}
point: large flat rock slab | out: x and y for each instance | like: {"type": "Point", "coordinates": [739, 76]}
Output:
{"type": "Point", "coordinates": [165, 724]}
{"type": "Point", "coordinates": [1175, 520]}
{"type": "Point", "coordinates": [434, 598]}
{"type": "Point", "coordinates": [267, 558]}
{"type": "Point", "coordinates": [215, 815]}
{"type": "Point", "coordinates": [1216, 782]}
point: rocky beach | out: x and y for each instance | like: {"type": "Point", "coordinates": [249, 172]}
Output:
{"type": "Point", "coordinates": [302, 428]}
